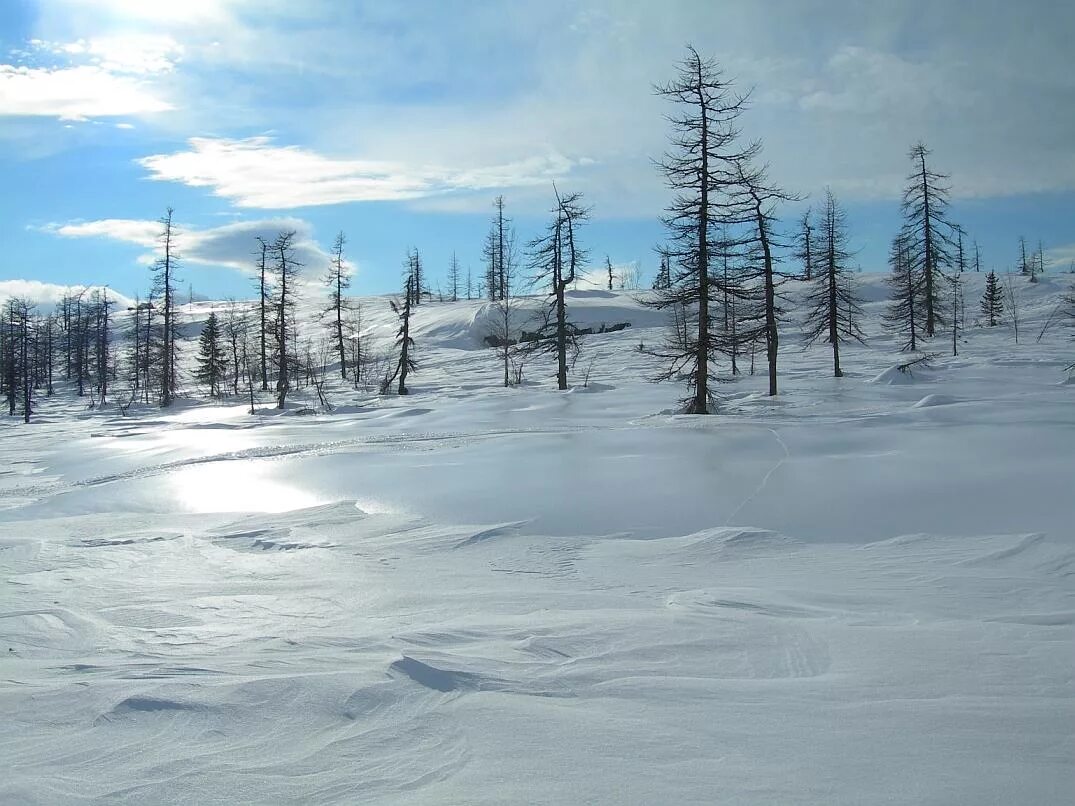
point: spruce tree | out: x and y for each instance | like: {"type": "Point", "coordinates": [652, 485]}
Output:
{"type": "Point", "coordinates": [212, 359]}
{"type": "Point", "coordinates": [663, 280]}
{"type": "Point", "coordinates": [993, 300]}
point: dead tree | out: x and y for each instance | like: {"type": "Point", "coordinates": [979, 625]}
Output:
{"type": "Point", "coordinates": [286, 270]}
{"type": "Point", "coordinates": [418, 270]}
{"type": "Point", "coordinates": [235, 333]}
{"type": "Point", "coordinates": [960, 259]}
{"type": "Point", "coordinates": [263, 305]}
{"type": "Point", "coordinates": [453, 277]}
{"type": "Point", "coordinates": [804, 244]}
{"type": "Point", "coordinates": [1026, 267]}
{"type": "Point", "coordinates": [504, 334]}
{"type": "Point", "coordinates": [957, 300]}
{"type": "Point", "coordinates": [762, 199]}
{"type": "Point", "coordinates": [164, 280]}
{"type": "Point", "coordinates": [556, 259]}
{"type": "Point", "coordinates": [103, 342]}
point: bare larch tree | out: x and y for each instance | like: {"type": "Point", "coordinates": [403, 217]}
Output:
{"type": "Point", "coordinates": [702, 169]}
{"type": "Point", "coordinates": [831, 302]}
{"type": "Point", "coordinates": [905, 283]}
{"type": "Point", "coordinates": [928, 242]}
{"type": "Point", "coordinates": [164, 280]}
{"type": "Point", "coordinates": [404, 341]}
{"type": "Point", "coordinates": [286, 270]}
{"type": "Point", "coordinates": [338, 280]}
{"type": "Point", "coordinates": [556, 258]}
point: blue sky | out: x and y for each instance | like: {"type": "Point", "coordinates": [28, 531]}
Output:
{"type": "Point", "coordinates": [400, 123]}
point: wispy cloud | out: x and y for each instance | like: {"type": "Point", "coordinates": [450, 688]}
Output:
{"type": "Point", "coordinates": [1060, 258]}
{"type": "Point", "coordinates": [130, 53]}
{"type": "Point", "coordinates": [254, 172]}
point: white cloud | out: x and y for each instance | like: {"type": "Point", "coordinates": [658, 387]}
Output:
{"type": "Point", "coordinates": [46, 295]}
{"type": "Point", "coordinates": [841, 93]}
{"type": "Point", "coordinates": [74, 93]}
{"type": "Point", "coordinates": [128, 53]}
{"type": "Point", "coordinates": [143, 233]}
{"type": "Point", "coordinates": [254, 172]}
{"type": "Point", "coordinates": [231, 246]}
{"type": "Point", "coordinates": [103, 76]}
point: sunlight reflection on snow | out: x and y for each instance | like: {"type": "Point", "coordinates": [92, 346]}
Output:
{"type": "Point", "coordinates": [236, 487]}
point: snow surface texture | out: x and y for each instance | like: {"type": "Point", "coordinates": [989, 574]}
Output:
{"type": "Point", "coordinates": [859, 592]}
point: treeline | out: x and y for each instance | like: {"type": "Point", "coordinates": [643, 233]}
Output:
{"type": "Point", "coordinates": [720, 280]}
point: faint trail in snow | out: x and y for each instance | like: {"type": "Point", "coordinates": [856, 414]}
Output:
{"type": "Point", "coordinates": [765, 479]}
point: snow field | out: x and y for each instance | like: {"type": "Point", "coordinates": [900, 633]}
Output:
{"type": "Point", "coordinates": [859, 592]}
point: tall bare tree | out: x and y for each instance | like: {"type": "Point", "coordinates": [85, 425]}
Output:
{"type": "Point", "coordinates": [762, 199]}
{"type": "Point", "coordinates": [960, 257]}
{"type": "Point", "coordinates": [831, 300]}
{"type": "Point", "coordinates": [338, 280]}
{"type": "Point", "coordinates": [264, 304]}
{"type": "Point", "coordinates": [905, 283]}
{"type": "Point", "coordinates": [556, 258]}
{"type": "Point", "coordinates": [702, 167]}
{"type": "Point", "coordinates": [804, 244]}
{"type": "Point", "coordinates": [453, 277]}
{"type": "Point", "coordinates": [404, 341]}
{"type": "Point", "coordinates": [286, 270]}
{"type": "Point", "coordinates": [926, 227]}
{"type": "Point", "coordinates": [102, 342]}
{"type": "Point", "coordinates": [164, 290]}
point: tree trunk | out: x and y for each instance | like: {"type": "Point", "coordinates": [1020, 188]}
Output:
{"type": "Point", "coordinates": [701, 375]}
{"type": "Point", "coordinates": [772, 343]}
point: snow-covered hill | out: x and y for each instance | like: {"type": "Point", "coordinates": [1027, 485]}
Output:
{"type": "Point", "coordinates": [857, 592]}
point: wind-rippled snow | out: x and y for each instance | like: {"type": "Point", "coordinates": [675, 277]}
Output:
{"type": "Point", "coordinates": [855, 593]}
